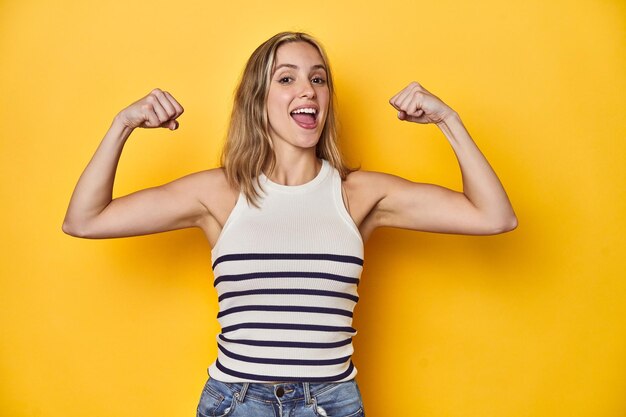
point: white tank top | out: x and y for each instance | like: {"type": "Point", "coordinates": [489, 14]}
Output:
{"type": "Point", "coordinates": [286, 276]}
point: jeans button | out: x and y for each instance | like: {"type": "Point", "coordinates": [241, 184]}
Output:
{"type": "Point", "coordinates": [280, 391]}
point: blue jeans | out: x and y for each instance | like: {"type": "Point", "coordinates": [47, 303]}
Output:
{"type": "Point", "coordinates": [290, 399]}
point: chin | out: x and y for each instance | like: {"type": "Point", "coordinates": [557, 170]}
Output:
{"type": "Point", "coordinates": [310, 143]}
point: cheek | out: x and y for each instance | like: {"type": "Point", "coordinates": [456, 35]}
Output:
{"type": "Point", "coordinates": [276, 112]}
{"type": "Point", "coordinates": [276, 104]}
{"type": "Point", "coordinates": [324, 97]}
{"type": "Point", "coordinates": [272, 106]}
{"type": "Point", "coordinates": [324, 101]}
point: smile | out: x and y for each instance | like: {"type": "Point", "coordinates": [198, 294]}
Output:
{"type": "Point", "coordinates": [305, 117]}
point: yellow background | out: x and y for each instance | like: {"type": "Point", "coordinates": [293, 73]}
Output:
{"type": "Point", "coordinates": [530, 323]}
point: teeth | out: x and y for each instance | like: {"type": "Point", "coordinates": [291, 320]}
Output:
{"type": "Point", "coordinates": [304, 110]}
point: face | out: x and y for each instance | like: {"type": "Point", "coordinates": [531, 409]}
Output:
{"type": "Point", "coordinates": [298, 97]}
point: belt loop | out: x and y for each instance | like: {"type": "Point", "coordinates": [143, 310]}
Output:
{"type": "Point", "coordinates": [307, 393]}
{"type": "Point", "coordinates": [242, 393]}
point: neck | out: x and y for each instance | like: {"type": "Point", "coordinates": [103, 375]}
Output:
{"type": "Point", "coordinates": [296, 168]}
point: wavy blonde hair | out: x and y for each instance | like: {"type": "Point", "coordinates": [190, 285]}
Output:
{"type": "Point", "coordinates": [248, 150]}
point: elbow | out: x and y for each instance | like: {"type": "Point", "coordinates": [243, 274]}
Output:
{"type": "Point", "coordinates": [73, 230]}
{"type": "Point", "coordinates": [513, 223]}
{"type": "Point", "coordinates": [68, 229]}
{"type": "Point", "coordinates": [505, 225]}
{"type": "Point", "coordinates": [497, 224]}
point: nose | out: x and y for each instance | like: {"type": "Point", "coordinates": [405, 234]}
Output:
{"type": "Point", "coordinates": [307, 90]}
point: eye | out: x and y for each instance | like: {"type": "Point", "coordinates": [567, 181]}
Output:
{"type": "Point", "coordinates": [284, 80]}
{"type": "Point", "coordinates": [318, 80]}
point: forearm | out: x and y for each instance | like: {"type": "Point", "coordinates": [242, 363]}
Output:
{"type": "Point", "coordinates": [481, 185]}
{"type": "Point", "coordinates": [94, 189]}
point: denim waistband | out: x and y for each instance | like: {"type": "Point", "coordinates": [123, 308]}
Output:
{"type": "Point", "coordinates": [281, 392]}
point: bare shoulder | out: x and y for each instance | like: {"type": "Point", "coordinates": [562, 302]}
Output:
{"type": "Point", "coordinates": [378, 185]}
{"type": "Point", "coordinates": [214, 178]}
{"type": "Point", "coordinates": [365, 179]}
{"type": "Point", "coordinates": [368, 195]}
{"type": "Point", "coordinates": [214, 191]}
{"type": "Point", "coordinates": [371, 183]}
{"type": "Point", "coordinates": [363, 190]}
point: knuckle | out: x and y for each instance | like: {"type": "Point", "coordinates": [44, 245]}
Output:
{"type": "Point", "coordinates": [169, 96]}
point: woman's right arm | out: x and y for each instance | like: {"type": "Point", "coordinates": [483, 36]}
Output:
{"type": "Point", "coordinates": [93, 213]}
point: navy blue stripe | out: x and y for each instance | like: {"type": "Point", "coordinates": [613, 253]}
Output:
{"type": "Point", "coordinates": [272, 343]}
{"type": "Point", "coordinates": [288, 326]}
{"type": "Point", "coordinates": [275, 291]}
{"type": "Point", "coordinates": [286, 274]}
{"type": "Point", "coordinates": [300, 309]}
{"type": "Point", "coordinates": [290, 256]}
{"type": "Point", "coordinates": [272, 361]}
{"type": "Point", "coordinates": [248, 376]}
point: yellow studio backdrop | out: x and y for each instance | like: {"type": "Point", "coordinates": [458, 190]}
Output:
{"type": "Point", "coordinates": [529, 323]}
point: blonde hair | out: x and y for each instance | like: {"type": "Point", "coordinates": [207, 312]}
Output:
{"type": "Point", "coordinates": [248, 150]}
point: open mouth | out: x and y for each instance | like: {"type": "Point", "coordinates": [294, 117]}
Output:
{"type": "Point", "coordinates": [305, 117]}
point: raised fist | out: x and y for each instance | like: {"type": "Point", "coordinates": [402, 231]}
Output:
{"type": "Point", "coordinates": [416, 104]}
{"type": "Point", "coordinates": [157, 109]}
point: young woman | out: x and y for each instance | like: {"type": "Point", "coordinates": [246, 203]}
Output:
{"type": "Point", "coordinates": [286, 219]}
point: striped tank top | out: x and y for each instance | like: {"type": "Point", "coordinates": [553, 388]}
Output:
{"type": "Point", "coordinates": [286, 276]}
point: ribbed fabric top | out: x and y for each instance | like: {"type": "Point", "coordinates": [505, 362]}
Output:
{"type": "Point", "coordinates": [286, 276]}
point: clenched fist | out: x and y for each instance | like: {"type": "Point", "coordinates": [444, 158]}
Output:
{"type": "Point", "coordinates": [157, 109]}
{"type": "Point", "coordinates": [416, 104]}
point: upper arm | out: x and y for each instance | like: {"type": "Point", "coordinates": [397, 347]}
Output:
{"type": "Point", "coordinates": [418, 206]}
{"type": "Point", "coordinates": [179, 204]}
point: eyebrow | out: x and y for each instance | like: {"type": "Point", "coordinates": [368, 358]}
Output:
{"type": "Point", "coordinates": [318, 66]}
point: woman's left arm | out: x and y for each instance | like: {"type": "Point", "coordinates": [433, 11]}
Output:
{"type": "Point", "coordinates": [483, 207]}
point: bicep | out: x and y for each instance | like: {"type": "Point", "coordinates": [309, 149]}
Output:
{"type": "Point", "coordinates": [175, 205]}
{"type": "Point", "coordinates": [427, 207]}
